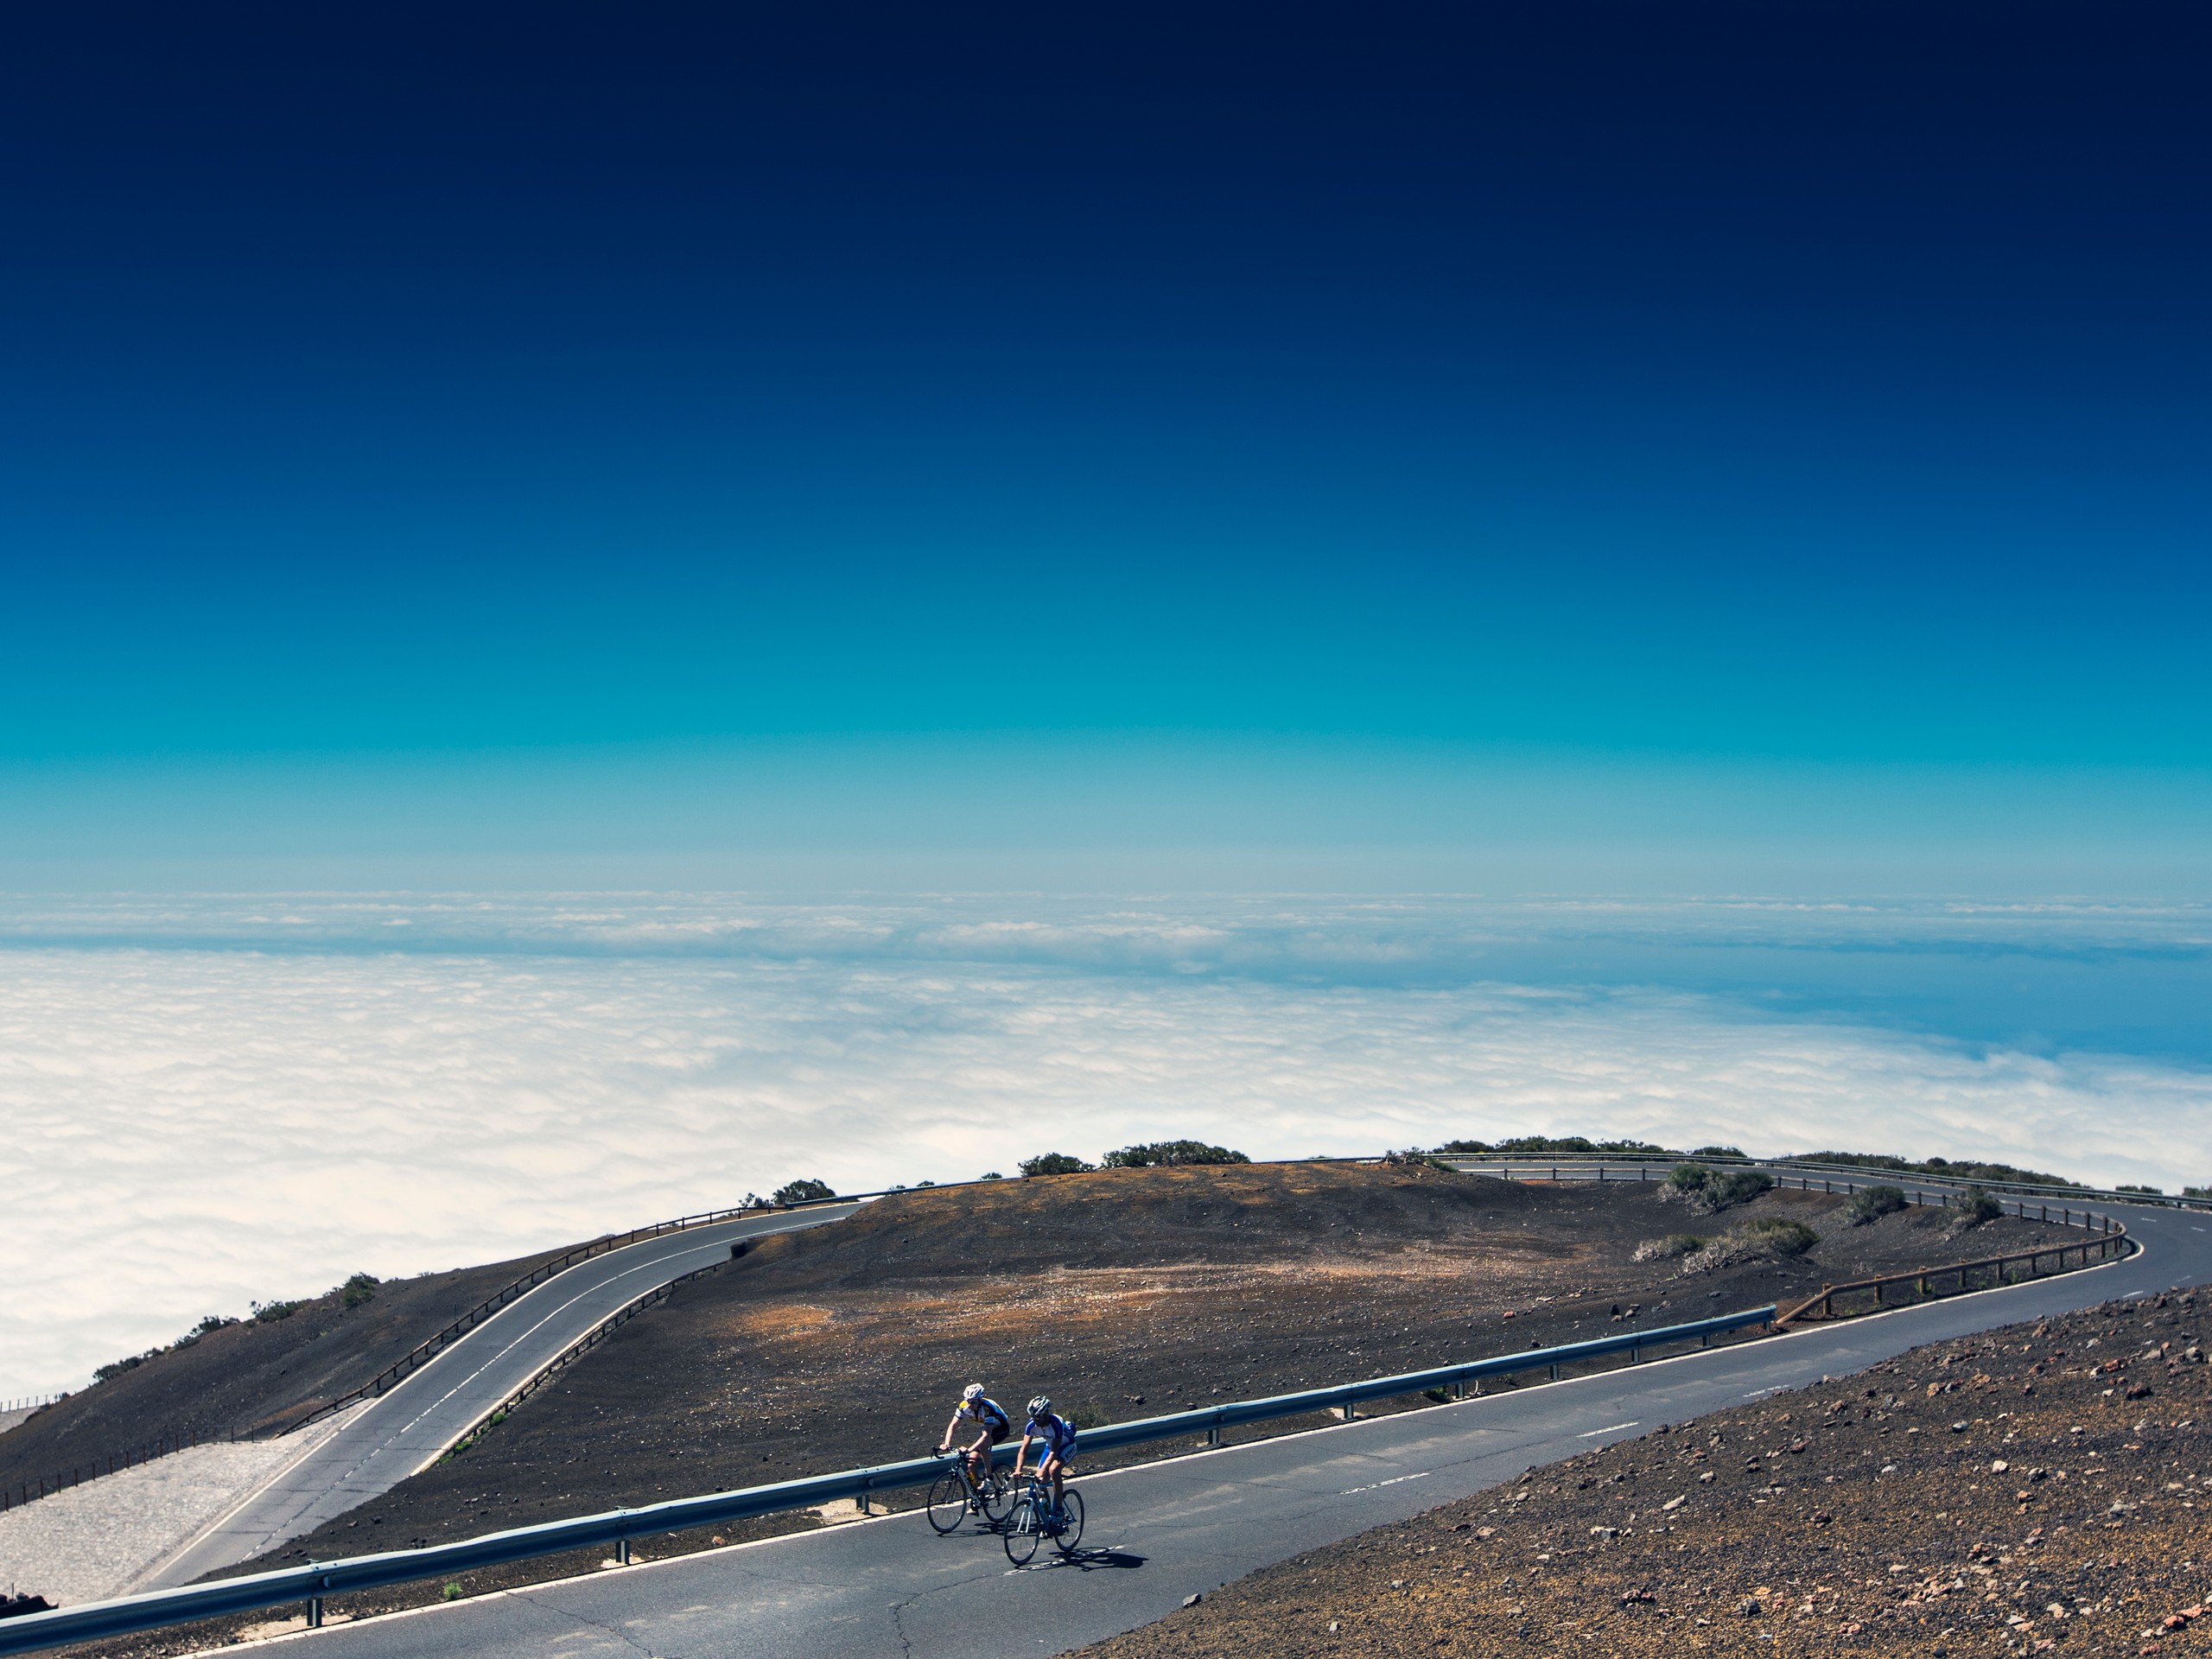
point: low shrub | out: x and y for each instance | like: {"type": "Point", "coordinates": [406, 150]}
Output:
{"type": "Point", "coordinates": [1953, 1168]}
{"type": "Point", "coordinates": [802, 1191]}
{"type": "Point", "coordinates": [1526, 1143]}
{"type": "Point", "coordinates": [1053, 1163]}
{"type": "Point", "coordinates": [1685, 1178]}
{"type": "Point", "coordinates": [1778, 1234]}
{"type": "Point", "coordinates": [1541, 1143]}
{"type": "Point", "coordinates": [270, 1312]}
{"type": "Point", "coordinates": [1668, 1249]}
{"type": "Point", "coordinates": [2138, 1186]}
{"type": "Point", "coordinates": [1708, 1190]}
{"type": "Point", "coordinates": [1871, 1203]}
{"type": "Point", "coordinates": [361, 1287]}
{"type": "Point", "coordinates": [1716, 1152]}
{"type": "Point", "coordinates": [1729, 1251]}
{"type": "Point", "coordinates": [1761, 1238]}
{"type": "Point", "coordinates": [1971, 1208]}
{"type": "Point", "coordinates": [1168, 1153]}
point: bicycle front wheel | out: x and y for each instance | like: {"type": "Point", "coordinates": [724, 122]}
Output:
{"type": "Point", "coordinates": [1070, 1531]}
{"type": "Point", "coordinates": [995, 1496]}
{"type": "Point", "coordinates": [1024, 1531]}
{"type": "Point", "coordinates": [948, 1502]}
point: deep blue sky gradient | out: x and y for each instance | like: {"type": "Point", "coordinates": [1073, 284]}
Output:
{"type": "Point", "coordinates": [1825, 383]}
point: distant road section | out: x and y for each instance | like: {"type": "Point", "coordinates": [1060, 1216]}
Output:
{"type": "Point", "coordinates": [408, 1428]}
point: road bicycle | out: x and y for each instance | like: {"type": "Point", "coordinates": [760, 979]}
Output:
{"type": "Point", "coordinates": [956, 1495]}
{"type": "Point", "coordinates": [1032, 1520]}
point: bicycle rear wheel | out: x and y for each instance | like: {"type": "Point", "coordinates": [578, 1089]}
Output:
{"type": "Point", "coordinates": [996, 1495]}
{"type": "Point", "coordinates": [1024, 1530]}
{"type": "Point", "coordinates": [1070, 1531]}
{"type": "Point", "coordinates": [948, 1501]}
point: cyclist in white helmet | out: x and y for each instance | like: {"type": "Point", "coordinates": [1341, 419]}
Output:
{"type": "Point", "coordinates": [979, 1413]}
{"type": "Point", "coordinates": [1055, 1438]}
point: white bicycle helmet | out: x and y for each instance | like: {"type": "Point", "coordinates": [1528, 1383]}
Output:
{"type": "Point", "coordinates": [1038, 1406]}
{"type": "Point", "coordinates": [972, 1391]}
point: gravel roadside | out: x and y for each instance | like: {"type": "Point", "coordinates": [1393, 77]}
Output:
{"type": "Point", "coordinates": [2043, 1488]}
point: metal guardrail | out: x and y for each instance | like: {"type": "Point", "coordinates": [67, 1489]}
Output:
{"type": "Point", "coordinates": [32, 1488]}
{"type": "Point", "coordinates": [1833, 1178]}
{"type": "Point", "coordinates": [1872, 1174]}
{"type": "Point", "coordinates": [2103, 1247]}
{"type": "Point", "coordinates": [578, 1349]}
{"type": "Point", "coordinates": [169, 1441]}
{"type": "Point", "coordinates": [431, 1347]}
{"type": "Point", "coordinates": [317, 1579]}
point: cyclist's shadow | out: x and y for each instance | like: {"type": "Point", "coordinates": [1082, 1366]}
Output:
{"type": "Point", "coordinates": [1088, 1561]}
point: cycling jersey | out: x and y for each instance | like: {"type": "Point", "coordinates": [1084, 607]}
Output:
{"type": "Point", "coordinates": [987, 1412]}
{"type": "Point", "coordinates": [1056, 1433]}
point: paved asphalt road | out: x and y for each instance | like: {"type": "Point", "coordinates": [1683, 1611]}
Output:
{"type": "Point", "coordinates": [408, 1429]}
{"type": "Point", "coordinates": [1157, 1532]}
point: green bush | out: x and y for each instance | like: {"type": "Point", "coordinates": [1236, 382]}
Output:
{"type": "Point", "coordinates": [1166, 1153]}
{"type": "Point", "coordinates": [1971, 1208]}
{"type": "Point", "coordinates": [803, 1192]}
{"type": "Point", "coordinates": [1960, 1170]}
{"type": "Point", "coordinates": [1871, 1203]}
{"type": "Point", "coordinates": [2138, 1186]}
{"type": "Point", "coordinates": [361, 1287]}
{"type": "Point", "coordinates": [1540, 1144]}
{"type": "Point", "coordinates": [270, 1312]}
{"type": "Point", "coordinates": [1716, 1152]}
{"type": "Point", "coordinates": [1543, 1143]}
{"type": "Point", "coordinates": [1708, 1190]}
{"type": "Point", "coordinates": [1053, 1163]}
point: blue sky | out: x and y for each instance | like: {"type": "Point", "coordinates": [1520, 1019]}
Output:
{"type": "Point", "coordinates": [1788, 397]}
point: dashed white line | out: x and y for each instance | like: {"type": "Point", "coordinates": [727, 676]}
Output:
{"type": "Point", "coordinates": [1593, 1434]}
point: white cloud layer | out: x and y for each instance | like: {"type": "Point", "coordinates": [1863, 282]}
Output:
{"type": "Point", "coordinates": [198, 1119]}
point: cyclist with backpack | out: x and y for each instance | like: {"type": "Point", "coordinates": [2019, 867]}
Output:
{"type": "Point", "coordinates": [979, 1413]}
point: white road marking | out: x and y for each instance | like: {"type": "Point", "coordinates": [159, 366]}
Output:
{"type": "Point", "coordinates": [1593, 1434]}
{"type": "Point", "coordinates": [1377, 1486]}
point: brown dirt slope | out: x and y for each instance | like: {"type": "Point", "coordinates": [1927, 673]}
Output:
{"type": "Point", "coordinates": [250, 1378]}
{"type": "Point", "coordinates": [1119, 1293]}
{"type": "Point", "coordinates": [2044, 1488]}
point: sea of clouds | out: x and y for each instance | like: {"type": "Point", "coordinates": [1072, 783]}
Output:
{"type": "Point", "coordinates": [214, 1100]}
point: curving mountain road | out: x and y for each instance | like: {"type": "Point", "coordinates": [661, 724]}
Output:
{"type": "Point", "coordinates": [409, 1427]}
{"type": "Point", "coordinates": [1161, 1531]}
